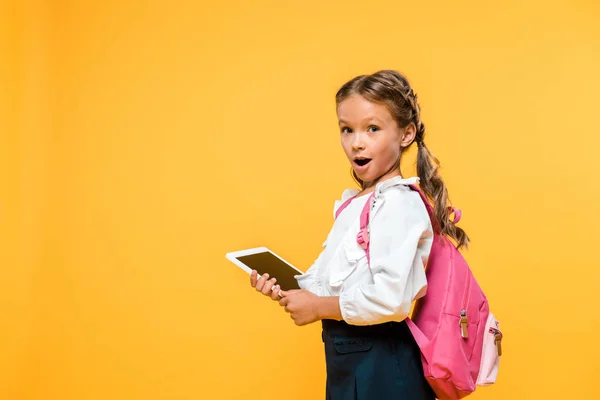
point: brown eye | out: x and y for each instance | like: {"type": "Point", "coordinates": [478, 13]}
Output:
{"type": "Point", "coordinates": [373, 128]}
{"type": "Point", "coordinates": [346, 130]}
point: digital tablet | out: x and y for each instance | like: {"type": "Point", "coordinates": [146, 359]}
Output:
{"type": "Point", "coordinates": [264, 261]}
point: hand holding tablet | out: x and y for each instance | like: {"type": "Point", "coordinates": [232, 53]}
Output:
{"type": "Point", "coordinates": [266, 286]}
{"type": "Point", "coordinates": [265, 261]}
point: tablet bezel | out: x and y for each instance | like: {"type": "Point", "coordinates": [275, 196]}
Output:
{"type": "Point", "coordinates": [232, 256]}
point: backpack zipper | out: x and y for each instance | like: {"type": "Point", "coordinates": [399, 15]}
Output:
{"type": "Point", "coordinates": [497, 339]}
{"type": "Point", "coordinates": [464, 319]}
{"type": "Point", "coordinates": [464, 324]}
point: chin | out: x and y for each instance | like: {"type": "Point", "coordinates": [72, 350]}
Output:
{"type": "Point", "coordinates": [364, 177]}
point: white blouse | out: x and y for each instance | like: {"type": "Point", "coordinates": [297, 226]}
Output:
{"type": "Point", "coordinates": [401, 236]}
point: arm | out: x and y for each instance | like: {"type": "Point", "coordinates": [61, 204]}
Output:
{"type": "Point", "coordinates": [309, 280]}
{"type": "Point", "coordinates": [400, 242]}
{"type": "Point", "coordinates": [329, 308]}
{"type": "Point", "coordinates": [399, 246]}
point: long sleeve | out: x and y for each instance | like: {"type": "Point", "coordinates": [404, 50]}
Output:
{"type": "Point", "coordinates": [309, 279]}
{"type": "Point", "coordinates": [400, 241]}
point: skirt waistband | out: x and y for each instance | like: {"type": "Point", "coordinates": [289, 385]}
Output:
{"type": "Point", "coordinates": [396, 330]}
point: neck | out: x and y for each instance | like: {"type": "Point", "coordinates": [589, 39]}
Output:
{"type": "Point", "coordinates": [368, 187]}
{"type": "Point", "coordinates": [391, 173]}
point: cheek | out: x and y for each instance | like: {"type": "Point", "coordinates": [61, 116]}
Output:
{"type": "Point", "coordinates": [390, 156]}
{"type": "Point", "coordinates": [346, 145]}
{"type": "Point", "coordinates": [390, 151]}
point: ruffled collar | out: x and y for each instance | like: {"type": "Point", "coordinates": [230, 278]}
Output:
{"type": "Point", "coordinates": [382, 186]}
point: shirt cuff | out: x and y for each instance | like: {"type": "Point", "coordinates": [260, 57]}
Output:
{"type": "Point", "coordinates": [310, 283]}
{"type": "Point", "coordinates": [347, 309]}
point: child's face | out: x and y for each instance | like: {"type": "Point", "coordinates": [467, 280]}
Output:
{"type": "Point", "coordinates": [372, 139]}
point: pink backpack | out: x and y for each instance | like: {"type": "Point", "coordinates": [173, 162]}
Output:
{"type": "Point", "coordinates": [459, 338]}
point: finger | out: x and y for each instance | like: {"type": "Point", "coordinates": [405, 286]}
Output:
{"type": "Point", "coordinates": [253, 278]}
{"type": "Point", "coordinates": [275, 293]}
{"type": "Point", "coordinates": [288, 293]}
{"type": "Point", "coordinates": [266, 290]}
{"type": "Point", "coordinates": [283, 302]}
{"type": "Point", "coordinates": [261, 282]}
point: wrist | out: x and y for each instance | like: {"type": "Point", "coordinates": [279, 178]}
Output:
{"type": "Point", "coordinates": [328, 307]}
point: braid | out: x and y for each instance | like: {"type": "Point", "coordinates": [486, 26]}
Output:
{"type": "Point", "coordinates": [432, 183]}
{"type": "Point", "coordinates": [411, 99]}
{"type": "Point", "coordinates": [414, 105]}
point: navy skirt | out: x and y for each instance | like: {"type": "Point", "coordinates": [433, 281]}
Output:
{"type": "Point", "coordinates": [375, 362]}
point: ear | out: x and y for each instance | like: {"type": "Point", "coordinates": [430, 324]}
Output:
{"type": "Point", "coordinates": [407, 135]}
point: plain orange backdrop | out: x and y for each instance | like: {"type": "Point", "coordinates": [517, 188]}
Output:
{"type": "Point", "coordinates": [141, 141]}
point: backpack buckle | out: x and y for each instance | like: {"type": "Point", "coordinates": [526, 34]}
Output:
{"type": "Point", "coordinates": [363, 238]}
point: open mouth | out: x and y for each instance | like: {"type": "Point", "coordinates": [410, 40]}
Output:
{"type": "Point", "coordinates": [362, 161]}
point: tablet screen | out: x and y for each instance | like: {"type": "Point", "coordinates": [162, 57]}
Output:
{"type": "Point", "coordinates": [267, 262]}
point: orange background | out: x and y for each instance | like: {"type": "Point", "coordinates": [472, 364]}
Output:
{"type": "Point", "coordinates": [141, 141]}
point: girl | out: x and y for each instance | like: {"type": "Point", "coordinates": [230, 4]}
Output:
{"type": "Point", "coordinates": [369, 350]}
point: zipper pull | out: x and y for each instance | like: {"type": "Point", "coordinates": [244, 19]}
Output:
{"type": "Point", "coordinates": [464, 324]}
{"type": "Point", "coordinates": [498, 341]}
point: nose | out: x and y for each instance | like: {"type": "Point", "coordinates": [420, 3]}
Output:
{"type": "Point", "coordinates": [358, 142]}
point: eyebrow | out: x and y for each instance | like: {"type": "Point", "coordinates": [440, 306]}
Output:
{"type": "Point", "coordinates": [369, 119]}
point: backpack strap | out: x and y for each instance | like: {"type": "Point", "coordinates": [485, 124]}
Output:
{"type": "Point", "coordinates": [457, 212]}
{"type": "Point", "coordinates": [424, 198]}
{"type": "Point", "coordinates": [363, 240]}
{"type": "Point", "coordinates": [418, 335]}
{"type": "Point", "coordinates": [429, 207]}
{"type": "Point", "coordinates": [363, 234]}
{"type": "Point", "coordinates": [343, 206]}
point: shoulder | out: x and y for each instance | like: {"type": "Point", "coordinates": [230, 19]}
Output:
{"type": "Point", "coordinates": [395, 199]}
{"type": "Point", "coordinates": [346, 196]}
